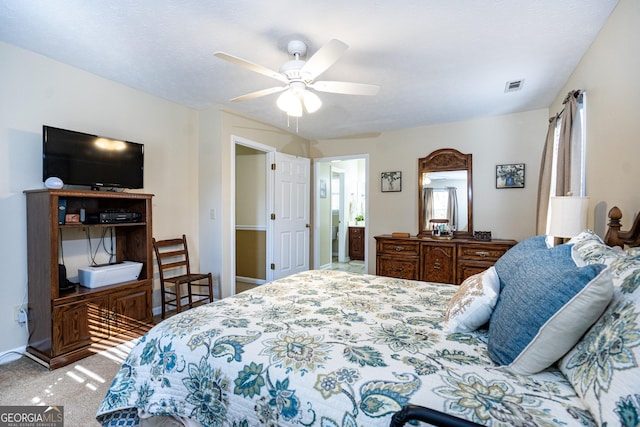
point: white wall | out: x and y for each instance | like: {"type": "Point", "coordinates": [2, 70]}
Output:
{"type": "Point", "coordinates": [34, 91]}
{"type": "Point", "coordinates": [609, 73]}
{"type": "Point", "coordinates": [251, 207]}
{"type": "Point", "coordinates": [507, 213]}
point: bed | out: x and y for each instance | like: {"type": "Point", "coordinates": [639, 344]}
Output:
{"type": "Point", "coordinates": [330, 348]}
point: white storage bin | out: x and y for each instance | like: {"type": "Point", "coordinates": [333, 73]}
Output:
{"type": "Point", "coordinates": [94, 277]}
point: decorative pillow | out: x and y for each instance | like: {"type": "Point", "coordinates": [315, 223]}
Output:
{"type": "Point", "coordinates": [473, 303]}
{"type": "Point", "coordinates": [588, 248]}
{"type": "Point", "coordinates": [604, 366]}
{"type": "Point", "coordinates": [521, 251]}
{"type": "Point", "coordinates": [546, 303]}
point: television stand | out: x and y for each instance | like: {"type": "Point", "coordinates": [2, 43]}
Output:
{"type": "Point", "coordinates": [68, 325]}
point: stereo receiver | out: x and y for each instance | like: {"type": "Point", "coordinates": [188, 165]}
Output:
{"type": "Point", "coordinates": [116, 217]}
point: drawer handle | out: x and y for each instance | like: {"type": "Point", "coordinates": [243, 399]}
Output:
{"type": "Point", "coordinates": [399, 248]}
{"type": "Point", "coordinates": [437, 266]}
{"type": "Point", "coordinates": [482, 254]}
{"type": "Point", "coordinates": [399, 269]}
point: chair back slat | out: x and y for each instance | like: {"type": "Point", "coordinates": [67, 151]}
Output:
{"type": "Point", "coordinates": [172, 265]}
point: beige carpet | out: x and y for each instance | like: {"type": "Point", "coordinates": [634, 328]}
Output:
{"type": "Point", "coordinates": [79, 387]}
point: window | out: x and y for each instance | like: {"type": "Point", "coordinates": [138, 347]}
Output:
{"type": "Point", "coordinates": [578, 151]}
{"type": "Point", "coordinates": [440, 203]}
{"type": "Point", "coordinates": [576, 164]}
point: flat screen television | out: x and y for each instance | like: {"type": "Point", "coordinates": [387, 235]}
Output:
{"type": "Point", "coordinates": [89, 160]}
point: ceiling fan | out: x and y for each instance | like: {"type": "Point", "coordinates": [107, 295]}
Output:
{"type": "Point", "coordinates": [298, 77]}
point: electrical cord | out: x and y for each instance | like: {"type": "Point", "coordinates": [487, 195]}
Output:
{"type": "Point", "coordinates": [93, 254]}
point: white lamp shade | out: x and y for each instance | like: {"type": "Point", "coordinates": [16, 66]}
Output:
{"type": "Point", "coordinates": [568, 215]}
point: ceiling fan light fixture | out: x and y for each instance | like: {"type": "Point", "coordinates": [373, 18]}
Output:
{"type": "Point", "coordinates": [289, 102]}
{"type": "Point", "coordinates": [299, 76]}
{"type": "Point", "coordinates": [295, 111]}
{"type": "Point", "coordinates": [311, 101]}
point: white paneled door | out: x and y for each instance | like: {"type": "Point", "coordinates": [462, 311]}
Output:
{"type": "Point", "coordinates": [291, 223]}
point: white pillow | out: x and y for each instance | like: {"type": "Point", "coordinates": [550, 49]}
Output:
{"type": "Point", "coordinates": [473, 303]}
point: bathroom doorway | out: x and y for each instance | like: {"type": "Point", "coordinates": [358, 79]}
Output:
{"type": "Point", "coordinates": [338, 217]}
{"type": "Point", "coordinates": [340, 196]}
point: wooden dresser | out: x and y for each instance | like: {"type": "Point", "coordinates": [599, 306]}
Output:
{"type": "Point", "coordinates": [443, 261]}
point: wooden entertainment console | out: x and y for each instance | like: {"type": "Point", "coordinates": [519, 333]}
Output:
{"type": "Point", "coordinates": [65, 326]}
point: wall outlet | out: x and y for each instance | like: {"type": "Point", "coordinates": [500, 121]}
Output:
{"type": "Point", "coordinates": [17, 316]}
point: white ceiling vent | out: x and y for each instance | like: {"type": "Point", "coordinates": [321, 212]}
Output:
{"type": "Point", "coordinates": [513, 85]}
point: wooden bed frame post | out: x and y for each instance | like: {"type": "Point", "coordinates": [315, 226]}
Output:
{"type": "Point", "coordinates": [612, 237]}
{"type": "Point", "coordinates": [615, 237]}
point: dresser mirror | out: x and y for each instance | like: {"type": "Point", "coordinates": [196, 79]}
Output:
{"type": "Point", "coordinates": [445, 192]}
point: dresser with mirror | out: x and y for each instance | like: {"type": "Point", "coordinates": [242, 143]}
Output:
{"type": "Point", "coordinates": [444, 248]}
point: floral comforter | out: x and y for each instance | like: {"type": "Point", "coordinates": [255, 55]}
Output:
{"type": "Point", "coordinates": [327, 348]}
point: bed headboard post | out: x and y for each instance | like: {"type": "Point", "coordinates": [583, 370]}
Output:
{"type": "Point", "coordinates": [615, 237]}
{"type": "Point", "coordinates": [612, 237]}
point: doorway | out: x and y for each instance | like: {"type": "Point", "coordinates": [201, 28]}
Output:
{"type": "Point", "coordinates": [271, 227]}
{"type": "Point", "coordinates": [252, 195]}
{"type": "Point", "coordinates": [340, 196]}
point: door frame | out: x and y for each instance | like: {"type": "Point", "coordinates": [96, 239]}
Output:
{"type": "Point", "coordinates": [270, 158]}
{"type": "Point", "coordinates": [342, 229]}
{"type": "Point", "coordinates": [316, 199]}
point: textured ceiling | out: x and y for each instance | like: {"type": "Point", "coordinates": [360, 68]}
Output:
{"type": "Point", "coordinates": [435, 60]}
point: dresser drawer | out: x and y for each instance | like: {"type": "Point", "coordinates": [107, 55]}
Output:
{"type": "Point", "coordinates": [482, 252]}
{"type": "Point", "coordinates": [467, 269]}
{"type": "Point", "coordinates": [399, 247]}
{"type": "Point", "coordinates": [438, 262]}
{"type": "Point", "coordinates": [399, 267]}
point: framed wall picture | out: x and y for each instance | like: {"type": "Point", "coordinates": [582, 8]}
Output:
{"type": "Point", "coordinates": [510, 176]}
{"type": "Point", "coordinates": [391, 181]}
{"type": "Point", "coordinates": [323, 188]}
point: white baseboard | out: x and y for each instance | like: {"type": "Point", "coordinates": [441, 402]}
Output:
{"type": "Point", "coordinates": [250, 280]}
{"type": "Point", "coordinates": [11, 355]}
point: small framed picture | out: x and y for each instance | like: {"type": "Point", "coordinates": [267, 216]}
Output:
{"type": "Point", "coordinates": [510, 176]}
{"type": "Point", "coordinates": [323, 188]}
{"type": "Point", "coordinates": [391, 181]}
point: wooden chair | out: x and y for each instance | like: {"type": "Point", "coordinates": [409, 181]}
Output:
{"type": "Point", "coordinates": [173, 266]}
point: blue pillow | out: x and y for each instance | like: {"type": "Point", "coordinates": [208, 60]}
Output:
{"type": "Point", "coordinates": [518, 253]}
{"type": "Point", "coordinates": [546, 303]}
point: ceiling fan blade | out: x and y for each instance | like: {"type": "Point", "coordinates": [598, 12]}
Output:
{"type": "Point", "coordinates": [345, 88]}
{"type": "Point", "coordinates": [252, 66]}
{"type": "Point", "coordinates": [324, 58]}
{"type": "Point", "coordinates": [259, 93]}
